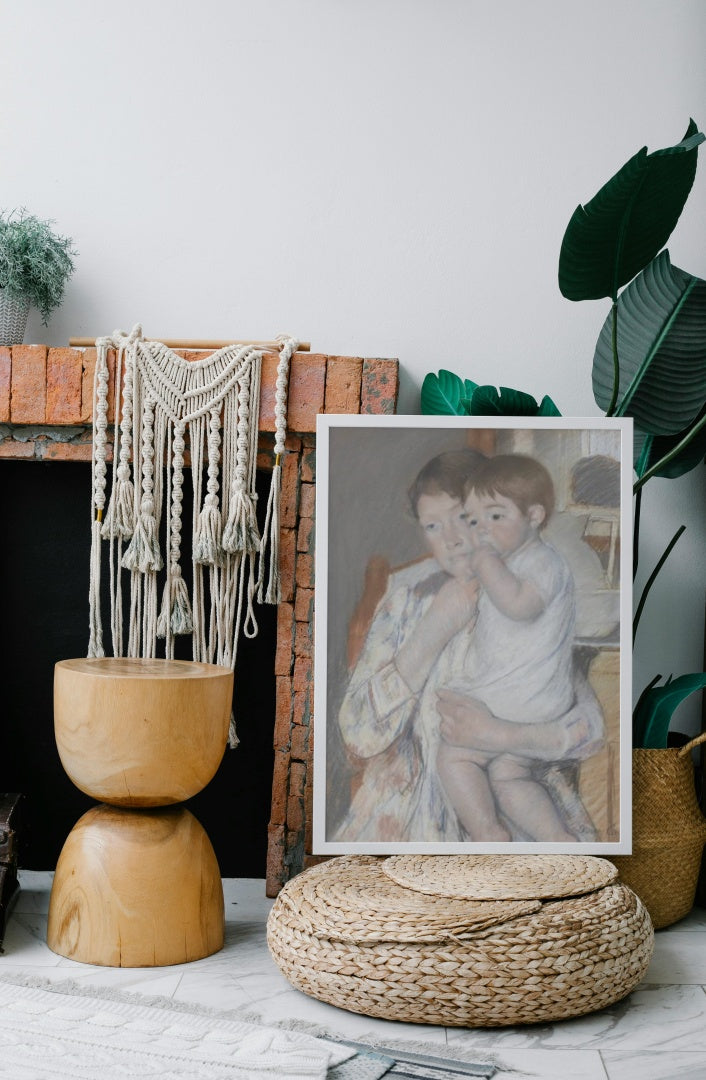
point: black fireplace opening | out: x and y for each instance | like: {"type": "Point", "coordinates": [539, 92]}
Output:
{"type": "Point", "coordinates": [44, 561]}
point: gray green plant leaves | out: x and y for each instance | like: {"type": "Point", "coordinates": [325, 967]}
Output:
{"type": "Point", "coordinates": [446, 394]}
{"type": "Point", "coordinates": [662, 349]}
{"type": "Point", "coordinates": [654, 711]}
{"type": "Point", "coordinates": [614, 235]}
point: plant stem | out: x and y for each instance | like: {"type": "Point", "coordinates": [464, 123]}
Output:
{"type": "Point", "coordinates": [651, 580]}
{"type": "Point", "coordinates": [670, 456]}
{"type": "Point", "coordinates": [616, 365]}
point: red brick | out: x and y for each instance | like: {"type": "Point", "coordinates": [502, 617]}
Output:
{"type": "Point", "coordinates": [303, 640]}
{"type": "Point", "coordinates": [305, 571]}
{"type": "Point", "coordinates": [300, 739]}
{"type": "Point", "coordinates": [308, 464]}
{"type": "Point", "coordinates": [53, 451]}
{"type": "Point", "coordinates": [64, 378]}
{"type": "Point", "coordinates": [301, 711]}
{"type": "Point", "coordinates": [295, 815]}
{"type": "Point", "coordinates": [280, 778]}
{"type": "Point", "coordinates": [297, 779]}
{"type": "Point", "coordinates": [343, 381]}
{"type": "Point", "coordinates": [12, 448]}
{"type": "Point", "coordinates": [275, 860]}
{"type": "Point", "coordinates": [302, 674]}
{"type": "Point", "coordinates": [307, 382]}
{"type": "Point", "coordinates": [287, 562]}
{"type": "Point", "coordinates": [89, 369]}
{"type": "Point", "coordinates": [284, 654]}
{"type": "Point", "coordinates": [306, 391]}
{"type": "Point", "coordinates": [307, 500]}
{"type": "Point", "coordinates": [308, 811]}
{"type": "Point", "coordinates": [379, 386]}
{"type": "Point", "coordinates": [305, 535]}
{"type": "Point", "coordinates": [28, 399]}
{"type": "Point", "coordinates": [283, 712]}
{"type": "Point", "coordinates": [304, 605]}
{"type": "Point", "coordinates": [5, 373]}
{"type": "Point", "coordinates": [292, 443]}
{"type": "Point", "coordinates": [289, 500]}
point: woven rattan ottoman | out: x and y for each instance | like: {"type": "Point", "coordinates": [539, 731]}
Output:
{"type": "Point", "coordinates": [467, 941]}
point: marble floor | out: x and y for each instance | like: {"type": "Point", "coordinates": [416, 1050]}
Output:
{"type": "Point", "coordinates": [658, 1033]}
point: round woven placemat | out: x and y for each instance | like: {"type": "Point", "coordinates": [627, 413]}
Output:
{"type": "Point", "coordinates": [500, 877]}
{"type": "Point", "coordinates": [360, 903]}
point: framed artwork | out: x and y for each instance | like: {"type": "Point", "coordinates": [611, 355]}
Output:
{"type": "Point", "coordinates": [472, 678]}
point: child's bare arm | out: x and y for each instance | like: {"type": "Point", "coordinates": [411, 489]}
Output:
{"type": "Point", "coordinates": [514, 597]}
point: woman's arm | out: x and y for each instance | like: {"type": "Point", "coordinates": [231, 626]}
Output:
{"type": "Point", "coordinates": [404, 641]}
{"type": "Point", "coordinates": [576, 735]}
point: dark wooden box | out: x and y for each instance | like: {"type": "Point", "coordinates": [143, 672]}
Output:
{"type": "Point", "coordinates": [10, 832]}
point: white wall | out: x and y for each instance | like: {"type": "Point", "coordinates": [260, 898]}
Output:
{"type": "Point", "coordinates": [382, 177]}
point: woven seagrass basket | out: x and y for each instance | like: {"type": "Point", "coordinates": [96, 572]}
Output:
{"type": "Point", "coordinates": [13, 319]}
{"type": "Point", "coordinates": [668, 833]}
{"type": "Point", "coordinates": [349, 934]}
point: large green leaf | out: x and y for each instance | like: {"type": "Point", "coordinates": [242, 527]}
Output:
{"type": "Point", "coordinates": [446, 394]}
{"type": "Point", "coordinates": [610, 239]}
{"type": "Point", "coordinates": [654, 710]}
{"type": "Point", "coordinates": [649, 450]}
{"type": "Point", "coordinates": [661, 348]}
{"type": "Point", "coordinates": [489, 401]}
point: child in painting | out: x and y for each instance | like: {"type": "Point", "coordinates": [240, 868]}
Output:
{"type": "Point", "coordinates": [520, 667]}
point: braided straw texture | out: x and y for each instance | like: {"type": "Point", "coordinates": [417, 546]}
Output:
{"type": "Point", "coordinates": [568, 958]}
{"type": "Point", "coordinates": [501, 877]}
{"type": "Point", "coordinates": [360, 903]}
{"type": "Point", "coordinates": [668, 834]}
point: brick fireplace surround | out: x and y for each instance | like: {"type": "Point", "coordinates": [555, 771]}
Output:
{"type": "Point", "coordinates": [45, 415]}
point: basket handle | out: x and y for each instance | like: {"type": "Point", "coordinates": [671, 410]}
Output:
{"type": "Point", "coordinates": [690, 745]}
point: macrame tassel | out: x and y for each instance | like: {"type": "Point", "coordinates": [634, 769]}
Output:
{"type": "Point", "coordinates": [175, 614]}
{"type": "Point", "coordinates": [143, 552]}
{"type": "Point", "coordinates": [208, 548]}
{"type": "Point", "coordinates": [95, 640]}
{"type": "Point", "coordinates": [241, 532]}
{"type": "Point", "coordinates": [273, 593]}
{"type": "Point", "coordinates": [120, 517]}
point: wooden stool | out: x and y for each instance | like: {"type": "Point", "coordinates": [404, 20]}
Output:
{"type": "Point", "coordinates": [137, 886]}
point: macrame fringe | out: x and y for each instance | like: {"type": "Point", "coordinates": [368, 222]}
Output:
{"type": "Point", "coordinates": [120, 518]}
{"type": "Point", "coordinates": [161, 401]}
{"type": "Point", "coordinates": [208, 542]}
{"type": "Point", "coordinates": [241, 533]}
{"type": "Point", "coordinates": [273, 593]}
{"type": "Point", "coordinates": [95, 640]}
{"type": "Point", "coordinates": [175, 615]}
{"type": "Point", "coordinates": [233, 740]}
{"type": "Point", "coordinates": [142, 553]}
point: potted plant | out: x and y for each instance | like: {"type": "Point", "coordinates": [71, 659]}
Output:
{"type": "Point", "coordinates": [35, 264]}
{"type": "Point", "coordinates": [650, 364]}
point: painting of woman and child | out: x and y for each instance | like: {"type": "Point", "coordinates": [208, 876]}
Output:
{"type": "Point", "coordinates": [470, 620]}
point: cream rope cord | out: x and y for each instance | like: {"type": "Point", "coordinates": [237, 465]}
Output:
{"type": "Point", "coordinates": [160, 400]}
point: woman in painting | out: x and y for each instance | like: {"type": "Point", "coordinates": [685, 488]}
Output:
{"type": "Point", "coordinates": [418, 642]}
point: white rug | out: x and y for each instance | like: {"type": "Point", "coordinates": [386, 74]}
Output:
{"type": "Point", "coordinates": [65, 1032]}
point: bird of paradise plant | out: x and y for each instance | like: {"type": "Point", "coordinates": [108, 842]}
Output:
{"type": "Point", "coordinates": [650, 358]}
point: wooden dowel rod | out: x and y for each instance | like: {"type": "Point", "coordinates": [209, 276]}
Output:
{"type": "Point", "coordinates": [173, 343]}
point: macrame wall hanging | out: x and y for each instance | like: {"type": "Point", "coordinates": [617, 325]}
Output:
{"type": "Point", "coordinates": [214, 404]}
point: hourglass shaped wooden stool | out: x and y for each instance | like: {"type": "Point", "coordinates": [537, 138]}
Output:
{"type": "Point", "coordinates": [137, 883]}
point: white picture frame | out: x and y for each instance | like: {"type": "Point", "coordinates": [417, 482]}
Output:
{"type": "Point", "coordinates": [383, 783]}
